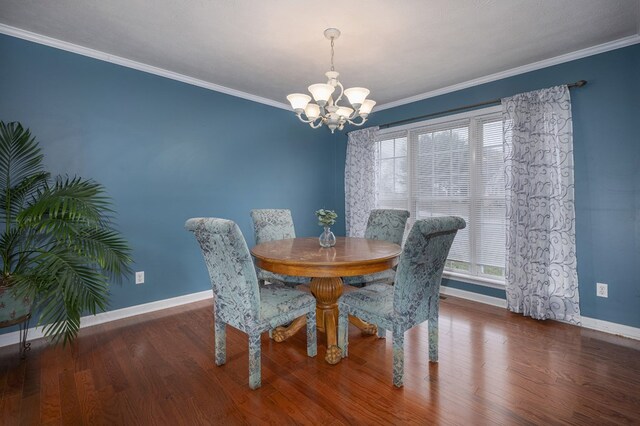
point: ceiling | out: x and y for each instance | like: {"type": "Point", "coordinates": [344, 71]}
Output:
{"type": "Point", "coordinates": [268, 49]}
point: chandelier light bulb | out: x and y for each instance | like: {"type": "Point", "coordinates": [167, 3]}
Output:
{"type": "Point", "coordinates": [321, 92]}
{"type": "Point", "coordinates": [366, 107]}
{"type": "Point", "coordinates": [312, 111]}
{"type": "Point", "coordinates": [344, 112]}
{"type": "Point", "coordinates": [298, 101]}
{"type": "Point", "coordinates": [356, 95]}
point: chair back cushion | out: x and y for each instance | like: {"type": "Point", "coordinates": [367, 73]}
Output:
{"type": "Point", "coordinates": [421, 264]}
{"type": "Point", "coordinates": [387, 225]}
{"type": "Point", "coordinates": [231, 270]}
{"type": "Point", "coordinates": [272, 224]}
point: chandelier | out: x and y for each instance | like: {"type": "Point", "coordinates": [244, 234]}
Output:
{"type": "Point", "coordinates": [327, 110]}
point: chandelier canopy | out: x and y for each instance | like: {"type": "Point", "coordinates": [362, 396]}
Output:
{"type": "Point", "coordinates": [327, 110]}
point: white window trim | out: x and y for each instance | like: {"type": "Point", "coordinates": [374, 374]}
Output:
{"type": "Point", "coordinates": [441, 120]}
{"type": "Point", "coordinates": [473, 279]}
{"type": "Point", "coordinates": [476, 114]}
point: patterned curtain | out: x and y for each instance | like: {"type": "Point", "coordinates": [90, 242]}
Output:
{"type": "Point", "coordinates": [360, 180]}
{"type": "Point", "coordinates": [541, 276]}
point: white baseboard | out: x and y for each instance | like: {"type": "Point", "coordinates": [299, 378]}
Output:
{"type": "Point", "coordinates": [88, 321]}
{"type": "Point", "coordinates": [611, 328]}
{"type": "Point", "coordinates": [591, 323]}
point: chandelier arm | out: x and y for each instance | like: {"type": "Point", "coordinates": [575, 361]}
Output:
{"type": "Point", "coordinates": [303, 120]}
{"type": "Point", "coordinates": [354, 115]}
{"type": "Point", "coordinates": [341, 93]}
{"type": "Point", "coordinates": [315, 126]}
{"type": "Point", "coordinates": [364, 120]}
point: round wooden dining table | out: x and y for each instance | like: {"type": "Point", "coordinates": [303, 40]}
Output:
{"type": "Point", "coordinates": [304, 257]}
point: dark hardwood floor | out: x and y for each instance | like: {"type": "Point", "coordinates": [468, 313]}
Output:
{"type": "Point", "coordinates": [495, 368]}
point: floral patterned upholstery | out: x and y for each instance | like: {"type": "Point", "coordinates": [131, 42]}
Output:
{"type": "Point", "coordinates": [415, 296]}
{"type": "Point", "coordinates": [387, 225]}
{"type": "Point", "coordinates": [270, 225]}
{"type": "Point", "coordinates": [238, 301]}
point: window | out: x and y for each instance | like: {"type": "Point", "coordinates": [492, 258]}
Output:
{"type": "Point", "coordinates": [451, 166]}
{"type": "Point", "coordinates": [392, 177]}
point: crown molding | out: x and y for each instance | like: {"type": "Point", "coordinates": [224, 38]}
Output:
{"type": "Point", "coordinates": [578, 54]}
{"type": "Point", "coordinates": [103, 56]}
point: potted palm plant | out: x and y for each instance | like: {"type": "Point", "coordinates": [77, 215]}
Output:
{"type": "Point", "coordinates": [58, 248]}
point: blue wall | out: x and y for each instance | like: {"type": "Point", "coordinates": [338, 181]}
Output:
{"type": "Point", "coordinates": [606, 118]}
{"type": "Point", "coordinates": [166, 151]}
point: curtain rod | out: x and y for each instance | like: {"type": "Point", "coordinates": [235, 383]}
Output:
{"type": "Point", "coordinates": [579, 83]}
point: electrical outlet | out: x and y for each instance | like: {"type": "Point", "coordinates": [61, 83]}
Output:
{"type": "Point", "coordinates": [602, 290]}
{"type": "Point", "coordinates": [140, 277]}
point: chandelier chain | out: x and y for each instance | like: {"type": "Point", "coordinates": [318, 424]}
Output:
{"type": "Point", "coordinates": [332, 68]}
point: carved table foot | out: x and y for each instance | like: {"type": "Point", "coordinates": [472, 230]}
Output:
{"type": "Point", "coordinates": [333, 355]}
{"type": "Point", "coordinates": [365, 327]}
{"type": "Point", "coordinates": [280, 334]}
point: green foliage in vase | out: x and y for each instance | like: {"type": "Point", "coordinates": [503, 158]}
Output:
{"type": "Point", "coordinates": [326, 217]}
{"type": "Point", "coordinates": [58, 246]}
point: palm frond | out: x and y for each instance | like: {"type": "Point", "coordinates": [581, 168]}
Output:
{"type": "Point", "coordinates": [28, 284]}
{"type": "Point", "coordinates": [61, 320]}
{"type": "Point", "coordinates": [72, 287]}
{"type": "Point", "coordinates": [68, 199]}
{"type": "Point", "coordinates": [21, 157]}
{"type": "Point", "coordinates": [9, 249]}
{"type": "Point", "coordinates": [13, 199]}
{"type": "Point", "coordinates": [107, 248]}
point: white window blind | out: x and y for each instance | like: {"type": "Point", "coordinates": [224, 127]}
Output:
{"type": "Point", "coordinates": [392, 172]}
{"type": "Point", "coordinates": [451, 166]}
{"type": "Point", "coordinates": [489, 207]}
{"type": "Point", "coordinates": [441, 174]}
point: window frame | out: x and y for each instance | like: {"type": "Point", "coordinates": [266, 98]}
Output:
{"type": "Point", "coordinates": [474, 120]}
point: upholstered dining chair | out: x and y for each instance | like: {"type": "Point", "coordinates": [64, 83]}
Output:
{"type": "Point", "coordinates": [238, 301]}
{"type": "Point", "coordinates": [383, 224]}
{"type": "Point", "coordinates": [270, 225]}
{"type": "Point", "coordinates": [413, 299]}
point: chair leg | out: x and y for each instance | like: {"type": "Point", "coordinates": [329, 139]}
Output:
{"type": "Point", "coordinates": [220, 341]}
{"type": "Point", "coordinates": [382, 333]}
{"type": "Point", "coordinates": [434, 307]}
{"type": "Point", "coordinates": [398, 358]}
{"type": "Point", "coordinates": [255, 373]}
{"type": "Point", "coordinates": [312, 338]}
{"type": "Point", "coordinates": [343, 332]}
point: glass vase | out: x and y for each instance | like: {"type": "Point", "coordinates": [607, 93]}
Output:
{"type": "Point", "coordinates": [327, 239]}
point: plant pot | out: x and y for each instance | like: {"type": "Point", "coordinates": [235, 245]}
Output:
{"type": "Point", "coordinates": [13, 309]}
{"type": "Point", "coordinates": [16, 310]}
